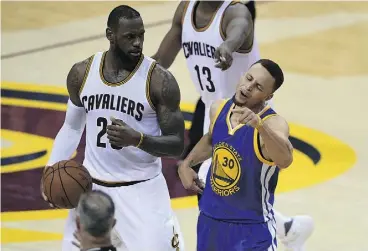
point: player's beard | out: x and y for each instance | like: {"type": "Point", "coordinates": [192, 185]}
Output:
{"type": "Point", "coordinates": [126, 57]}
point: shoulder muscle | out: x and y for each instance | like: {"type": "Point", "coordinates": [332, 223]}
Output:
{"type": "Point", "coordinates": [75, 80]}
{"type": "Point", "coordinates": [164, 88]}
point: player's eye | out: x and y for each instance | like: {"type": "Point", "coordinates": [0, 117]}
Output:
{"type": "Point", "coordinates": [259, 87]}
{"type": "Point", "coordinates": [249, 77]}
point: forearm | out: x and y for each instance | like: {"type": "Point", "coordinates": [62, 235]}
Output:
{"type": "Point", "coordinates": [201, 152]}
{"type": "Point", "coordinates": [235, 40]}
{"type": "Point", "coordinates": [164, 58]}
{"type": "Point", "coordinates": [163, 146]}
{"type": "Point", "coordinates": [68, 137]}
{"type": "Point", "coordinates": [279, 148]}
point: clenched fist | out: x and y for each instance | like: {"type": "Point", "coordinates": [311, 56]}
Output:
{"type": "Point", "coordinates": [121, 135]}
{"type": "Point", "coordinates": [248, 117]}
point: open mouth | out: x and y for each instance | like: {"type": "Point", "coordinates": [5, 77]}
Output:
{"type": "Point", "coordinates": [244, 95]}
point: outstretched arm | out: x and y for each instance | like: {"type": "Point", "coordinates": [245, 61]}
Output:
{"type": "Point", "coordinates": [165, 95]}
{"type": "Point", "coordinates": [171, 44]}
{"type": "Point", "coordinates": [238, 27]}
{"type": "Point", "coordinates": [237, 31]}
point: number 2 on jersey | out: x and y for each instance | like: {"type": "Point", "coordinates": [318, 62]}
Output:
{"type": "Point", "coordinates": [207, 72]}
{"type": "Point", "coordinates": [102, 122]}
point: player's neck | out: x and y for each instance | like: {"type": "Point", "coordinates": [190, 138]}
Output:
{"type": "Point", "coordinates": [114, 62]}
{"type": "Point", "coordinates": [210, 6]}
{"type": "Point", "coordinates": [254, 108]}
{"type": "Point", "coordinates": [257, 108]}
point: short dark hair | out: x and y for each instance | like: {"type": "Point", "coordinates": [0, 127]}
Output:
{"type": "Point", "coordinates": [96, 211]}
{"type": "Point", "coordinates": [122, 11]}
{"type": "Point", "coordinates": [275, 71]}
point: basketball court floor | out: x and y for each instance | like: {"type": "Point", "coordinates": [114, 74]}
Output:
{"type": "Point", "coordinates": [322, 47]}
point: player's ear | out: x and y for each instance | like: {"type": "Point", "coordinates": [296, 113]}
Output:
{"type": "Point", "coordinates": [109, 34]}
{"type": "Point", "coordinates": [113, 224]}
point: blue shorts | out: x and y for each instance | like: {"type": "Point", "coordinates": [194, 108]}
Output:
{"type": "Point", "coordinates": [216, 235]}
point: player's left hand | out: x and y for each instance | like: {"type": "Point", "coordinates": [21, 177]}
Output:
{"type": "Point", "coordinates": [122, 135]}
{"type": "Point", "coordinates": [247, 117]}
{"type": "Point", "coordinates": [223, 57]}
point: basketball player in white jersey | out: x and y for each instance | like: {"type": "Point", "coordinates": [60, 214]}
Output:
{"type": "Point", "coordinates": [219, 45]}
{"type": "Point", "coordinates": [130, 107]}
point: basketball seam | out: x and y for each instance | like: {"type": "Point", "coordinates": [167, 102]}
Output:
{"type": "Point", "coordinates": [79, 168]}
{"type": "Point", "coordinates": [50, 189]}
{"type": "Point", "coordinates": [62, 186]}
{"type": "Point", "coordinates": [84, 190]}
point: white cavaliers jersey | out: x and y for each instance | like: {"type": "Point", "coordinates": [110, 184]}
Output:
{"type": "Point", "coordinates": [199, 45]}
{"type": "Point", "coordinates": [127, 100]}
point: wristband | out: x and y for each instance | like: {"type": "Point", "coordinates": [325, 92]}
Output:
{"type": "Point", "coordinates": [140, 140]}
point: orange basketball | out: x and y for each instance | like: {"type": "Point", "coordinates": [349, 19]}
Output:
{"type": "Point", "coordinates": [64, 183]}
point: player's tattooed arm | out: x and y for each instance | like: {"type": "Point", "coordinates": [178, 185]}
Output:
{"type": "Point", "coordinates": [238, 27]}
{"type": "Point", "coordinates": [165, 96]}
{"type": "Point", "coordinates": [75, 81]}
{"type": "Point", "coordinates": [171, 44]}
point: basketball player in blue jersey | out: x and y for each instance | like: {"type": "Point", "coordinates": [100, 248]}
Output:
{"type": "Point", "coordinates": [249, 144]}
{"type": "Point", "coordinates": [219, 46]}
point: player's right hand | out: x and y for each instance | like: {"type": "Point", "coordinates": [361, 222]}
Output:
{"type": "Point", "coordinates": [44, 197]}
{"type": "Point", "coordinates": [189, 178]}
{"type": "Point", "coordinates": [223, 57]}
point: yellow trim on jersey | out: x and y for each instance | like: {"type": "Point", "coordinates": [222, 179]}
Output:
{"type": "Point", "coordinates": [90, 60]}
{"type": "Point", "coordinates": [125, 79]}
{"type": "Point", "coordinates": [148, 84]}
{"type": "Point", "coordinates": [218, 111]}
{"type": "Point", "coordinates": [231, 130]}
{"type": "Point", "coordinates": [256, 146]}
{"type": "Point", "coordinates": [209, 23]}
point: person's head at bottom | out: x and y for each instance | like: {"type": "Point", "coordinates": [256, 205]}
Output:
{"type": "Point", "coordinates": [95, 220]}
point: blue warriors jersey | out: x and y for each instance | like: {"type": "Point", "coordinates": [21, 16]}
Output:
{"type": "Point", "coordinates": [241, 183]}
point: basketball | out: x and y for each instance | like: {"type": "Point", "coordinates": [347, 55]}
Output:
{"type": "Point", "coordinates": [64, 183]}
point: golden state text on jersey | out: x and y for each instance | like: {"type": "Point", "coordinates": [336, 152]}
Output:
{"type": "Point", "coordinates": [242, 181]}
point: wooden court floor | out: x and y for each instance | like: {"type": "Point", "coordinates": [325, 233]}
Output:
{"type": "Point", "coordinates": [322, 47]}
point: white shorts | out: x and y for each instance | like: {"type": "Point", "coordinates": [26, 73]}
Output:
{"type": "Point", "coordinates": [145, 220]}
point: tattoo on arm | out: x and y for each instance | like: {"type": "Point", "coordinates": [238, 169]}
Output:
{"type": "Point", "coordinates": [166, 97]}
{"type": "Point", "coordinates": [75, 81]}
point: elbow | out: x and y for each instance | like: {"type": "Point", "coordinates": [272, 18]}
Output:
{"type": "Point", "coordinates": [176, 149]}
{"type": "Point", "coordinates": [285, 162]}
{"type": "Point", "coordinates": [179, 149]}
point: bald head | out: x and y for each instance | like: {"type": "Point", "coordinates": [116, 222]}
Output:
{"type": "Point", "coordinates": [96, 213]}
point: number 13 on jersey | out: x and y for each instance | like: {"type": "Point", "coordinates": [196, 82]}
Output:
{"type": "Point", "coordinates": [205, 72]}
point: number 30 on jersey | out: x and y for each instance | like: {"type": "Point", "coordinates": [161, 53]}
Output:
{"type": "Point", "coordinates": [206, 72]}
